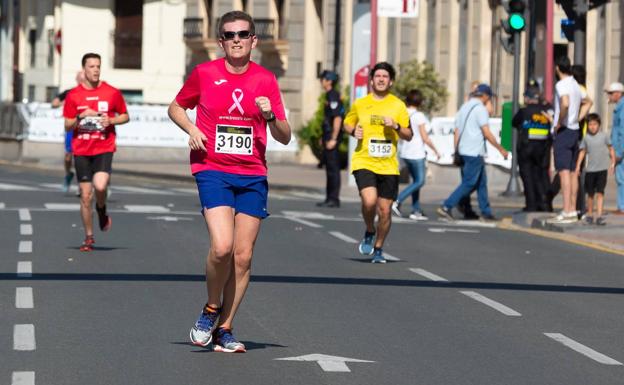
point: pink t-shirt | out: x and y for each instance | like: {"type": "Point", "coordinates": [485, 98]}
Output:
{"type": "Point", "coordinates": [227, 114]}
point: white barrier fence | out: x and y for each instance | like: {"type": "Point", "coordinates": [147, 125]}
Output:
{"type": "Point", "coordinates": [149, 126]}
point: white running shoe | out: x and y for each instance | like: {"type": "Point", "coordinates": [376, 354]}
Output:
{"type": "Point", "coordinates": [417, 216]}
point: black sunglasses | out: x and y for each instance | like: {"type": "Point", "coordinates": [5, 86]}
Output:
{"type": "Point", "coordinates": [229, 35]}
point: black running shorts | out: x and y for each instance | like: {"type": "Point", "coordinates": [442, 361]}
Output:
{"type": "Point", "coordinates": [387, 185]}
{"type": "Point", "coordinates": [87, 165]}
{"type": "Point", "coordinates": [566, 149]}
{"type": "Point", "coordinates": [595, 182]}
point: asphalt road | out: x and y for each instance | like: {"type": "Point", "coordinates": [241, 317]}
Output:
{"type": "Point", "coordinates": [461, 303]}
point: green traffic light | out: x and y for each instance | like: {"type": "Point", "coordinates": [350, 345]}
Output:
{"type": "Point", "coordinates": [516, 21]}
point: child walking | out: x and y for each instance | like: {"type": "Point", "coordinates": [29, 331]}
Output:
{"type": "Point", "coordinates": [600, 158]}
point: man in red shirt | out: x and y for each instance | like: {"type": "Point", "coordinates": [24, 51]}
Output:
{"type": "Point", "coordinates": [91, 111]}
{"type": "Point", "coordinates": [235, 99]}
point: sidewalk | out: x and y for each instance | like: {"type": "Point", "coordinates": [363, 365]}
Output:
{"type": "Point", "coordinates": [310, 179]}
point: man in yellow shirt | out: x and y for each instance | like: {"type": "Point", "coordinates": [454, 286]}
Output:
{"type": "Point", "coordinates": [377, 121]}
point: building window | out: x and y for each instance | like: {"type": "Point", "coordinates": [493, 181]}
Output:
{"type": "Point", "coordinates": [32, 42]}
{"type": "Point", "coordinates": [31, 93]}
{"type": "Point", "coordinates": [51, 93]}
{"type": "Point", "coordinates": [128, 35]}
{"type": "Point", "coordinates": [133, 96]}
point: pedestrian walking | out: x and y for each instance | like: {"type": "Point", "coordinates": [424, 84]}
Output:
{"type": "Point", "coordinates": [566, 133]}
{"type": "Point", "coordinates": [333, 114]}
{"type": "Point", "coordinates": [413, 153]}
{"type": "Point", "coordinates": [92, 110]}
{"type": "Point", "coordinates": [377, 121]}
{"type": "Point", "coordinates": [533, 124]}
{"type": "Point", "coordinates": [235, 99]}
{"type": "Point", "coordinates": [471, 132]}
{"type": "Point", "coordinates": [596, 145]}
{"type": "Point", "coordinates": [614, 93]}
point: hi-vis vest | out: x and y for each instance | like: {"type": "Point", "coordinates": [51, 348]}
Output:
{"type": "Point", "coordinates": [538, 127]}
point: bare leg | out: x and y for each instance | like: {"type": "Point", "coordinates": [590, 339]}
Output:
{"type": "Point", "coordinates": [86, 209]}
{"type": "Point", "coordinates": [369, 203]}
{"type": "Point", "coordinates": [246, 230]}
{"type": "Point", "coordinates": [220, 224]}
{"type": "Point", "coordinates": [68, 162]}
{"type": "Point", "coordinates": [574, 185]}
{"type": "Point", "coordinates": [599, 203]}
{"type": "Point", "coordinates": [385, 220]}
{"type": "Point", "coordinates": [590, 205]}
{"type": "Point", "coordinates": [566, 188]}
{"type": "Point", "coordinates": [100, 183]}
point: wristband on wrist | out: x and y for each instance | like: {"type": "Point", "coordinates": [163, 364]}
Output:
{"type": "Point", "coordinates": [271, 118]}
{"type": "Point", "coordinates": [398, 127]}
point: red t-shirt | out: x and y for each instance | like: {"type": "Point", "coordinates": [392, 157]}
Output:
{"type": "Point", "coordinates": [90, 138]}
{"type": "Point", "coordinates": [227, 114]}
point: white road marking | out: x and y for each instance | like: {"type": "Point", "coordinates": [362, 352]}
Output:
{"type": "Point", "coordinates": [26, 229]}
{"type": "Point", "coordinates": [2, 206]}
{"type": "Point", "coordinates": [15, 187]}
{"type": "Point", "coordinates": [23, 378]}
{"type": "Point", "coordinates": [62, 206]}
{"type": "Point", "coordinates": [428, 275]}
{"type": "Point", "coordinates": [191, 191]}
{"type": "Point", "coordinates": [491, 303]}
{"type": "Point", "coordinates": [307, 215]}
{"type": "Point", "coordinates": [24, 337]}
{"type": "Point", "coordinates": [327, 363]}
{"type": "Point", "coordinates": [584, 350]}
{"type": "Point", "coordinates": [343, 237]}
{"type": "Point", "coordinates": [140, 190]}
{"type": "Point", "coordinates": [390, 257]}
{"type": "Point", "coordinates": [169, 218]}
{"type": "Point", "coordinates": [25, 247]}
{"type": "Point", "coordinates": [24, 215]}
{"type": "Point", "coordinates": [24, 269]}
{"type": "Point", "coordinates": [304, 222]}
{"type": "Point", "coordinates": [146, 209]}
{"type": "Point", "coordinates": [451, 230]}
{"type": "Point", "coordinates": [24, 298]}
{"type": "Point", "coordinates": [475, 223]}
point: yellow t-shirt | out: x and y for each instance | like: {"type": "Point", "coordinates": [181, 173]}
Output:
{"type": "Point", "coordinates": [376, 151]}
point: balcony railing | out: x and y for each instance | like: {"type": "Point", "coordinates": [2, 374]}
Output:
{"type": "Point", "coordinates": [193, 28]}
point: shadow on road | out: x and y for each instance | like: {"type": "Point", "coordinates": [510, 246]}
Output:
{"type": "Point", "coordinates": [317, 281]}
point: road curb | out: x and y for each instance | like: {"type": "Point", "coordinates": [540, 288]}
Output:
{"type": "Point", "coordinates": [507, 224]}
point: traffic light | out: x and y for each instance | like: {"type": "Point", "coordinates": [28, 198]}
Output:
{"type": "Point", "coordinates": [514, 23]}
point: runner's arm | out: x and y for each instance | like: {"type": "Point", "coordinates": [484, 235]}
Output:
{"type": "Point", "coordinates": [280, 130]}
{"type": "Point", "coordinates": [178, 115]}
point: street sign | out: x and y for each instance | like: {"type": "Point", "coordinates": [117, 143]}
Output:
{"type": "Point", "coordinates": [327, 363]}
{"type": "Point", "coordinates": [397, 8]}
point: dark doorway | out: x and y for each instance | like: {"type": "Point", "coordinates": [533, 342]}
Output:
{"type": "Point", "coordinates": [128, 33]}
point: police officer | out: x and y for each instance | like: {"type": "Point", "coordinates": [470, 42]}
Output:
{"type": "Point", "coordinates": [533, 124]}
{"type": "Point", "coordinates": [332, 136]}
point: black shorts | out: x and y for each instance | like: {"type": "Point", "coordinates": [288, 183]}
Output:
{"type": "Point", "coordinates": [595, 182]}
{"type": "Point", "coordinates": [387, 185]}
{"type": "Point", "coordinates": [566, 149]}
{"type": "Point", "coordinates": [87, 165]}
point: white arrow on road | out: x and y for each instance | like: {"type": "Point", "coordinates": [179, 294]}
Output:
{"type": "Point", "coordinates": [168, 218]}
{"type": "Point", "coordinates": [327, 363]}
{"type": "Point", "coordinates": [447, 230]}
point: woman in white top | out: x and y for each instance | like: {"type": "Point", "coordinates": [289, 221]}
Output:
{"type": "Point", "coordinates": [414, 155]}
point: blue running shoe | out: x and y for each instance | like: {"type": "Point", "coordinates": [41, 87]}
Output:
{"type": "Point", "coordinates": [225, 342]}
{"type": "Point", "coordinates": [67, 181]}
{"type": "Point", "coordinates": [378, 257]}
{"type": "Point", "coordinates": [201, 333]}
{"type": "Point", "coordinates": [366, 246]}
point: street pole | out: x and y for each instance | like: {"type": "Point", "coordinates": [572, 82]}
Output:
{"type": "Point", "coordinates": [373, 46]}
{"type": "Point", "coordinates": [580, 27]}
{"type": "Point", "coordinates": [513, 187]}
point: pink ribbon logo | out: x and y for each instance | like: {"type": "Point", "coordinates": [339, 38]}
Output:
{"type": "Point", "coordinates": [237, 96]}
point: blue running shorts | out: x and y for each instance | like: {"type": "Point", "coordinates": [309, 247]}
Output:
{"type": "Point", "coordinates": [247, 194]}
{"type": "Point", "coordinates": [68, 139]}
{"type": "Point", "coordinates": [566, 149]}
